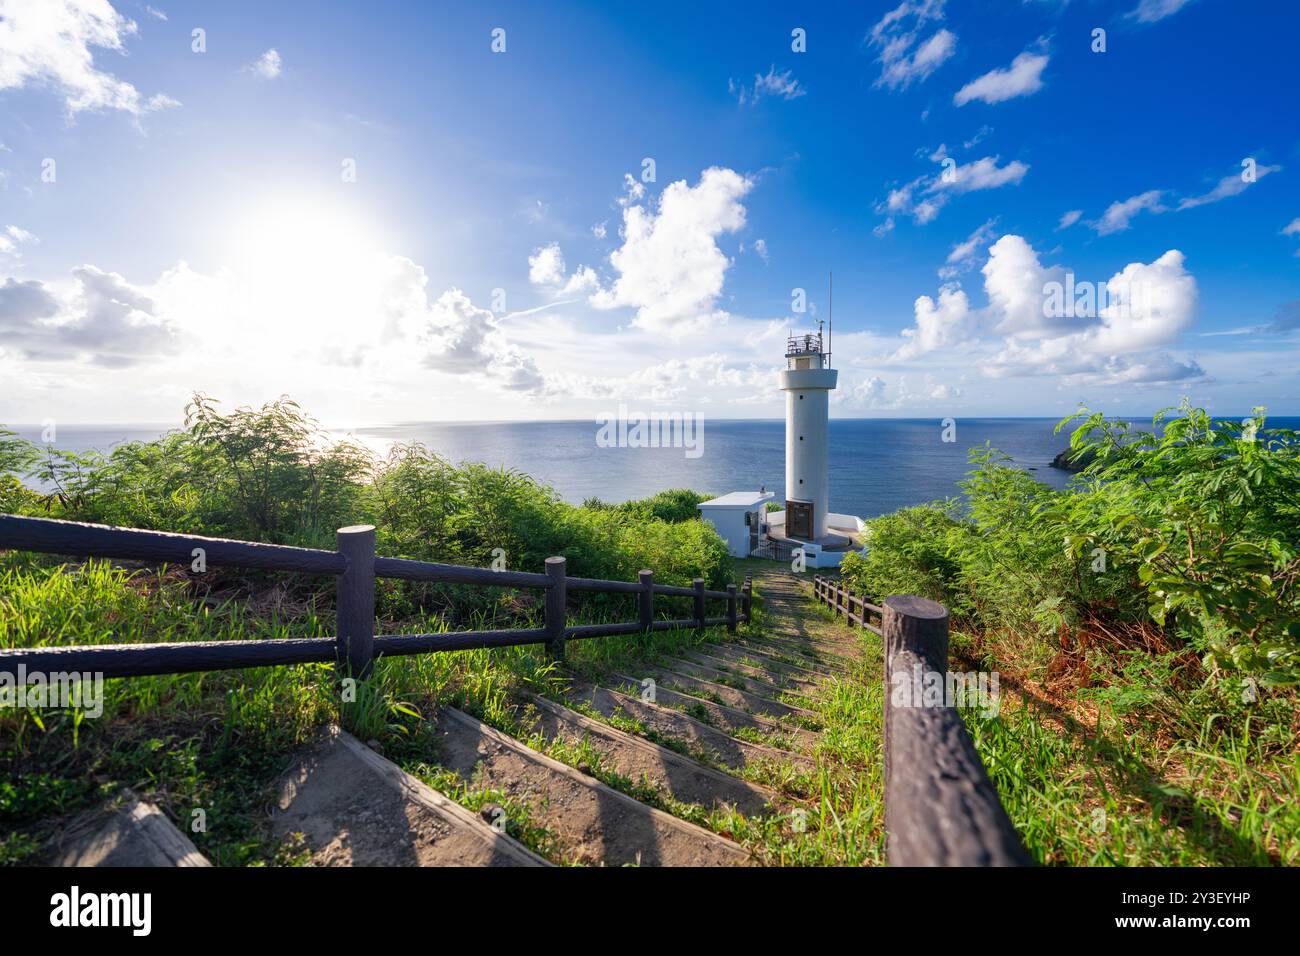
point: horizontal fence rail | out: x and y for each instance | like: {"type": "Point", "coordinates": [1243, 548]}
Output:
{"type": "Point", "coordinates": [941, 809]}
{"type": "Point", "coordinates": [843, 601]}
{"type": "Point", "coordinates": [356, 568]}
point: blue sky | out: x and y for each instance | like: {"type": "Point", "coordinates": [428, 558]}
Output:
{"type": "Point", "coordinates": [503, 253]}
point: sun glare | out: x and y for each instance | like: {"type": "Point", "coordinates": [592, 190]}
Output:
{"type": "Point", "coordinates": [307, 264]}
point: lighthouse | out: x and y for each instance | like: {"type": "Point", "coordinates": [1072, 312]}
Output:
{"type": "Point", "coordinates": [807, 382]}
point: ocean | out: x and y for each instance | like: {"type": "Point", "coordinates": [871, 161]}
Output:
{"type": "Point", "coordinates": [876, 465]}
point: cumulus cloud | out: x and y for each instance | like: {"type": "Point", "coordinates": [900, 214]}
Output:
{"type": "Point", "coordinates": [1134, 315]}
{"type": "Point", "coordinates": [546, 268]}
{"type": "Point", "coordinates": [546, 265]}
{"type": "Point", "coordinates": [49, 44]}
{"type": "Point", "coordinates": [905, 57]}
{"type": "Point", "coordinates": [1022, 78]}
{"type": "Point", "coordinates": [267, 66]}
{"type": "Point", "coordinates": [101, 319]}
{"type": "Point", "coordinates": [460, 338]}
{"type": "Point", "coordinates": [938, 324]}
{"type": "Point", "coordinates": [669, 266]}
{"type": "Point", "coordinates": [781, 86]}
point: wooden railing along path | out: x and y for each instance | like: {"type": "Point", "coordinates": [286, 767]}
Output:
{"type": "Point", "coordinates": [355, 566]}
{"type": "Point", "coordinates": [941, 809]}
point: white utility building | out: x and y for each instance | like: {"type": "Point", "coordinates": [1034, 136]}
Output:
{"type": "Point", "coordinates": [737, 517]}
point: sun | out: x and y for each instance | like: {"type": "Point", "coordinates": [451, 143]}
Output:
{"type": "Point", "coordinates": [308, 265]}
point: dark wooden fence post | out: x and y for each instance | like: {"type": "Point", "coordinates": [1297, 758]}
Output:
{"type": "Point", "coordinates": [731, 608]}
{"type": "Point", "coordinates": [941, 809]}
{"type": "Point", "coordinates": [556, 599]}
{"type": "Point", "coordinates": [355, 603]}
{"type": "Point", "coordinates": [698, 584]}
{"type": "Point", "coordinates": [747, 600]}
{"type": "Point", "coordinates": [646, 600]}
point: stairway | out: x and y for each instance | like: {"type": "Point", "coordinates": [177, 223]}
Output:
{"type": "Point", "coordinates": [604, 770]}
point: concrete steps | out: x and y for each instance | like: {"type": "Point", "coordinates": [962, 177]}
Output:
{"type": "Point", "coordinates": [733, 677]}
{"type": "Point", "coordinates": [625, 779]}
{"type": "Point", "coordinates": [788, 680]}
{"type": "Point", "coordinates": [354, 808]}
{"type": "Point", "coordinates": [126, 833]}
{"type": "Point", "coordinates": [731, 696]}
{"type": "Point", "coordinates": [747, 654]}
{"type": "Point", "coordinates": [815, 653]}
{"type": "Point", "coordinates": [731, 720]}
{"type": "Point", "coordinates": [647, 763]}
{"type": "Point", "coordinates": [594, 824]}
{"type": "Point", "coordinates": [721, 748]}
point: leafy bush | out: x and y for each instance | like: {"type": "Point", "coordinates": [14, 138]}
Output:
{"type": "Point", "coordinates": [1192, 528]}
{"type": "Point", "coordinates": [674, 505]}
{"type": "Point", "coordinates": [271, 474]}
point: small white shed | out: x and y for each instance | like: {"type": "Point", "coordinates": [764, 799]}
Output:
{"type": "Point", "coordinates": [736, 517]}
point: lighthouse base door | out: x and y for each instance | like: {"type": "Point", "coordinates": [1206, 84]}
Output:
{"type": "Point", "coordinates": [799, 519]}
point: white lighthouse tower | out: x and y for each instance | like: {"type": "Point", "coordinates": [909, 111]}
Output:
{"type": "Point", "coordinates": [807, 382]}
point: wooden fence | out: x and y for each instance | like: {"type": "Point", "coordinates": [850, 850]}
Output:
{"type": "Point", "coordinates": [941, 809]}
{"type": "Point", "coordinates": [355, 567]}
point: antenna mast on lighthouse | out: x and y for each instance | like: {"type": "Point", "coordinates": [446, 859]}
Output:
{"type": "Point", "coordinates": [830, 325]}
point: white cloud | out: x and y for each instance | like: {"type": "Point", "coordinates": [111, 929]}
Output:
{"type": "Point", "coordinates": [1230, 185]}
{"type": "Point", "coordinates": [546, 265]}
{"type": "Point", "coordinates": [50, 44]}
{"type": "Point", "coordinates": [1022, 78]}
{"type": "Point", "coordinates": [1149, 11]}
{"type": "Point", "coordinates": [101, 319]}
{"type": "Point", "coordinates": [633, 189]}
{"type": "Point", "coordinates": [1292, 228]}
{"type": "Point", "coordinates": [669, 266]}
{"type": "Point", "coordinates": [1069, 219]}
{"type": "Point", "coordinates": [599, 230]}
{"type": "Point", "coordinates": [12, 237]}
{"type": "Point", "coordinates": [546, 268]}
{"type": "Point", "coordinates": [982, 174]}
{"type": "Point", "coordinates": [462, 339]}
{"type": "Point", "coordinates": [983, 134]}
{"type": "Point", "coordinates": [155, 13]}
{"type": "Point", "coordinates": [963, 254]}
{"type": "Point", "coordinates": [904, 56]}
{"type": "Point", "coordinates": [1145, 309]}
{"type": "Point", "coordinates": [1117, 216]}
{"type": "Point", "coordinates": [924, 197]}
{"type": "Point", "coordinates": [781, 85]}
{"type": "Point", "coordinates": [941, 324]}
{"type": "Point", "coordinates": [760, 246]}
{"type": "Point", "coordinates": [268, 66]}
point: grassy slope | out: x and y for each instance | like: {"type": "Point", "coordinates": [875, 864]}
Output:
{"type": "Point", "coordinates": [1082, 787]}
